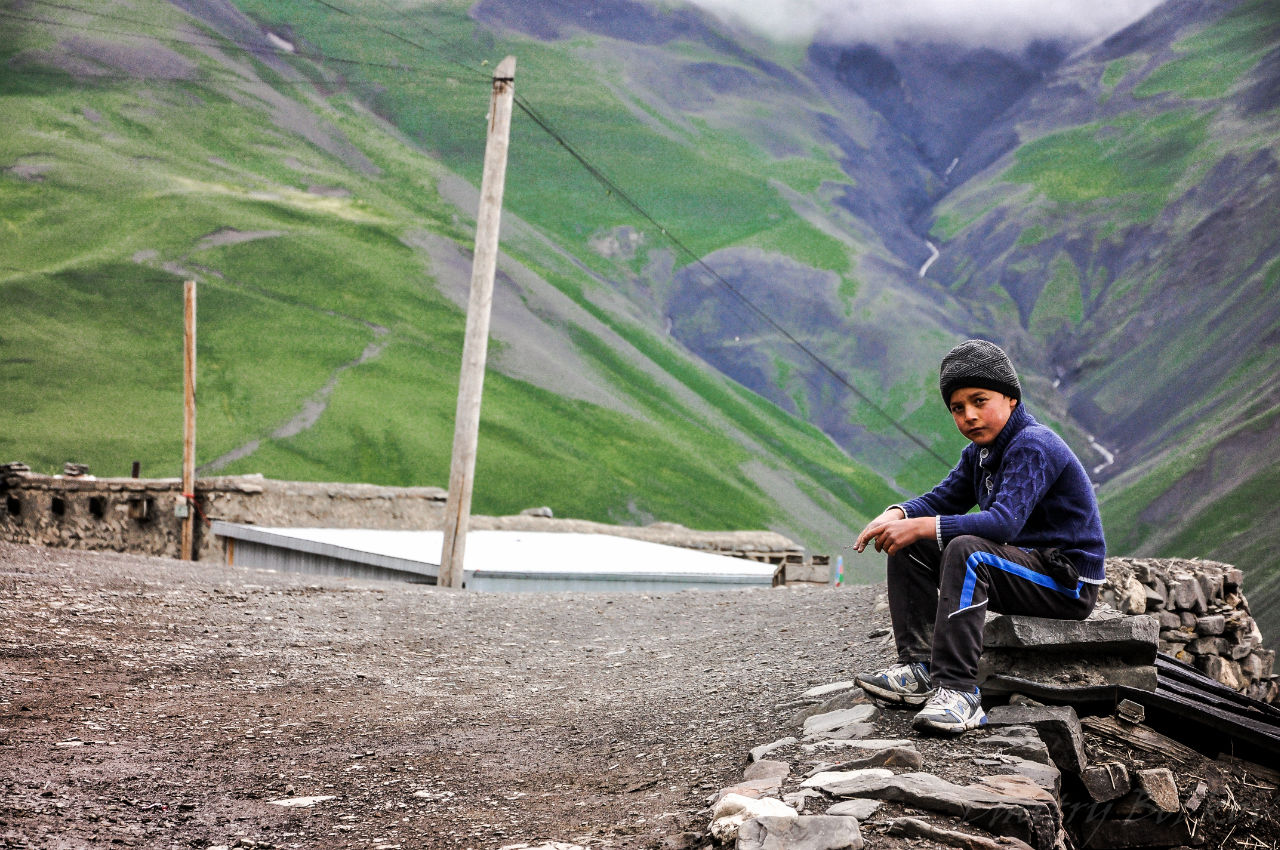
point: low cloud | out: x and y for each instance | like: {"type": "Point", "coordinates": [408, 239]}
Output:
{"type": "Point", "coordinates": [1002, 24]}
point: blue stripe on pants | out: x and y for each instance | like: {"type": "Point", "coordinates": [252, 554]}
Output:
{"type": "Point", "coordinates": [971, 577]}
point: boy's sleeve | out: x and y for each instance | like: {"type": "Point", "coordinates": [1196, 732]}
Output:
{"type": "Point", "coordinates": [954, 495]}
{"type": "Point", "coordinates": [1028, 471]}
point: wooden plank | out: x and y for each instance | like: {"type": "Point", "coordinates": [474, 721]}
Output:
{"type": "Point", "coordinates": [1141, 738]}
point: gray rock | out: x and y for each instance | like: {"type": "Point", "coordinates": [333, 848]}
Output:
{"type": "Point", "coordinates": [1131, 596]}
{"type": "Point", "coordinates": [1188, 595]}
{"type": "Point", "coordinates": [1047, 776]}
{"type": "Point", "coordinates": [833, 720]}
{"type": "Point", "coordinates": [1155, 600]}
{"type": "Point", "coordinates": [1197, 797]}
{"type": "Point", "coordinates": [1153, 794]}
{"type": "Point", "coordinates": [862, 809]}
{"type": "Point", "coordinates": [1020, 741]}
{"type": "Point", "coordinates": [1224, 670]}
{"type": "Point", "coordinates": [1058, 727]}
{"type": "Point", "coordinates": [907, 757]}
{"type": "Point", "coordinates": [1035, 821]}
{"type": "Point", "coordinates": [845, 733]}
{"type": "Point", "coordinates": [767, 769]}
{"type": "Point", "coordinates": [866, 745]}
{"type": "Point", "coordinates": [999, 671]}
{"type": "Point", "coordinates": [825, 691]}
{"type": "Point", "coordinates": [1104, 782]}
{"type": "Point", "coordinates": [1158, 785]}
{"type": "Point", "coordinates": [754, 788]}
{"type": "Point", "coordinates": [807, 832]}
{"type": "Point", "coordinates": [1137, 637]}
{"type": "Point", "coordinates": [1169, 620]}
{"type": "Point", "coordinates": [764, 749]}
{"type": "Point", "coordinates": [1211, 624]}
{"type": "Point", "coordinates": [1211, 584]}
{"type": "Point", "coordinates": [799, 800]}
{"type": "Point", "coordinates": [839, 702]}
{"type": "Point", "coordinates": [1209, 646]}
{"type": "Point", "coordinates": [828, 779]}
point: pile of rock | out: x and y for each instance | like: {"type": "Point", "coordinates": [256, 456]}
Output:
{"type": "Point", "coordinates": [1033, 777]}
{"type": "Point", "coordinates": [1203, 618]}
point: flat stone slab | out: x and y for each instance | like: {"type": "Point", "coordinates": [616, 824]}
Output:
{"type": "Point", "coordinates": [863, 744]}
{"type": "Point", "coordinates": [860, 808]}
{"type": "Point", "coordinates": [833, 720]}
{"type": "Point", "coordinates": [906, 757]}
{"type": "Point", "coordinates": [828, 690]}
{"type": "Point", "coordinates": [1137, 637]}
{"type": "Point", "coordinates": [828, 778]}
{"type": "Point", "coordinates": [767, 769]}
{"type": "Point", "coordinates": [807, 832]}
{"type": "Point", "coordinates": [763, 750]}
{"type": "Point", "coordinates": [1035, 821]}
{"type": "Point", "coordinates": [1020, 741]}
{"type": "Point", "coordinates": [999, 670]}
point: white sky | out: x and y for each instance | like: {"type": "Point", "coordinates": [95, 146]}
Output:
{"type": "Point", "coordinates": [1008, 24]}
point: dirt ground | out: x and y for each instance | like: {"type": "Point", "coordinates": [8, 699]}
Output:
{"type": "Point", "coordinates": [147, 702]}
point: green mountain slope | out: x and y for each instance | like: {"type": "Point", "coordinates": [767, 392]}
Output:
{"type": "Point", "coordinates": [332, 257]}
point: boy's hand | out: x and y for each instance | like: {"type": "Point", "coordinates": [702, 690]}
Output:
{"type": "Point", "coordinates": [891, 531]}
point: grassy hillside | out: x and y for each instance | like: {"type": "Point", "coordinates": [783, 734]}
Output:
{"type": "Point", "coordinates": [131, 163]}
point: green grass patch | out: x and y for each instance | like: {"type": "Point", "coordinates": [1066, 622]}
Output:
{"type": "Point", "coordinates": [1217, 57]}
{"type": "Point", "coordinates": [1060, 305]}
{"type": "Point", "coordinates": [1117, 69]}
{"type": "Point", "coordinates": [1132, 163]}
{"type": "Point", "coordinates": [803, 242]}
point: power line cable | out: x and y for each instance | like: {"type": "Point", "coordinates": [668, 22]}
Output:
{"type": "Point", "coordinates": [403, 39]}
{"type": "Point", "coordinates": [626, 198]}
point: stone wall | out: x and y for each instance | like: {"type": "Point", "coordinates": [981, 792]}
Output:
{"type": "Point", "coordinates": [140, 515]}
{"type": "Point", "coordinates": [1203, 615]}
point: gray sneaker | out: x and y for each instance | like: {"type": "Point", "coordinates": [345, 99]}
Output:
{"type": "Point", "coordinates": [951, 712]}
{"type": "Point", "coordinates": [902, 683]}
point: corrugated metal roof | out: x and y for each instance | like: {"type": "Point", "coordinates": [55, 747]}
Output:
{"type": "Point", "coordinates": [496, 561]}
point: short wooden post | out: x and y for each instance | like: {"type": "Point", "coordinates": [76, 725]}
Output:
{"type": "Point", "coordinates": [189, 421]}
{"type": "Point", "coordinates": [476, 344]}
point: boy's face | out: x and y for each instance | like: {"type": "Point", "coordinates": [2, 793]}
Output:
{"type": "Point", "coordinates": [981, 414]}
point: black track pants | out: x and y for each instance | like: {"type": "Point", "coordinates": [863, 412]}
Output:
{"type": "Point", "coordinates": [938, 601]}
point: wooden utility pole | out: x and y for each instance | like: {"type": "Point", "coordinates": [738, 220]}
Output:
{"type": "Point", "coordinates": [475, 347]}
{"type": "Point", "coordinates": [189, 422]}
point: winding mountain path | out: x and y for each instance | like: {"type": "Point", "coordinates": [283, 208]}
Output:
{"type": "Point", "coordinates": [312, 408]}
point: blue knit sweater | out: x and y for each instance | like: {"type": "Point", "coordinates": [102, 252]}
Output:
{"type": "Point", "coordinates": [1031, 491]}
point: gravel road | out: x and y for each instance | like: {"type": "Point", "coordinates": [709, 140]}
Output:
{"type": "Point", "coordinates": [147, 702]}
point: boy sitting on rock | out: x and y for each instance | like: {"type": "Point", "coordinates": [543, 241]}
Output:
{"type": "Point", "coordinates": [1033, 547]}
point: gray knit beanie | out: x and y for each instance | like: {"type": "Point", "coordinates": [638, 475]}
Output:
{"type": "Point", "coordinates": [978, 363]}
